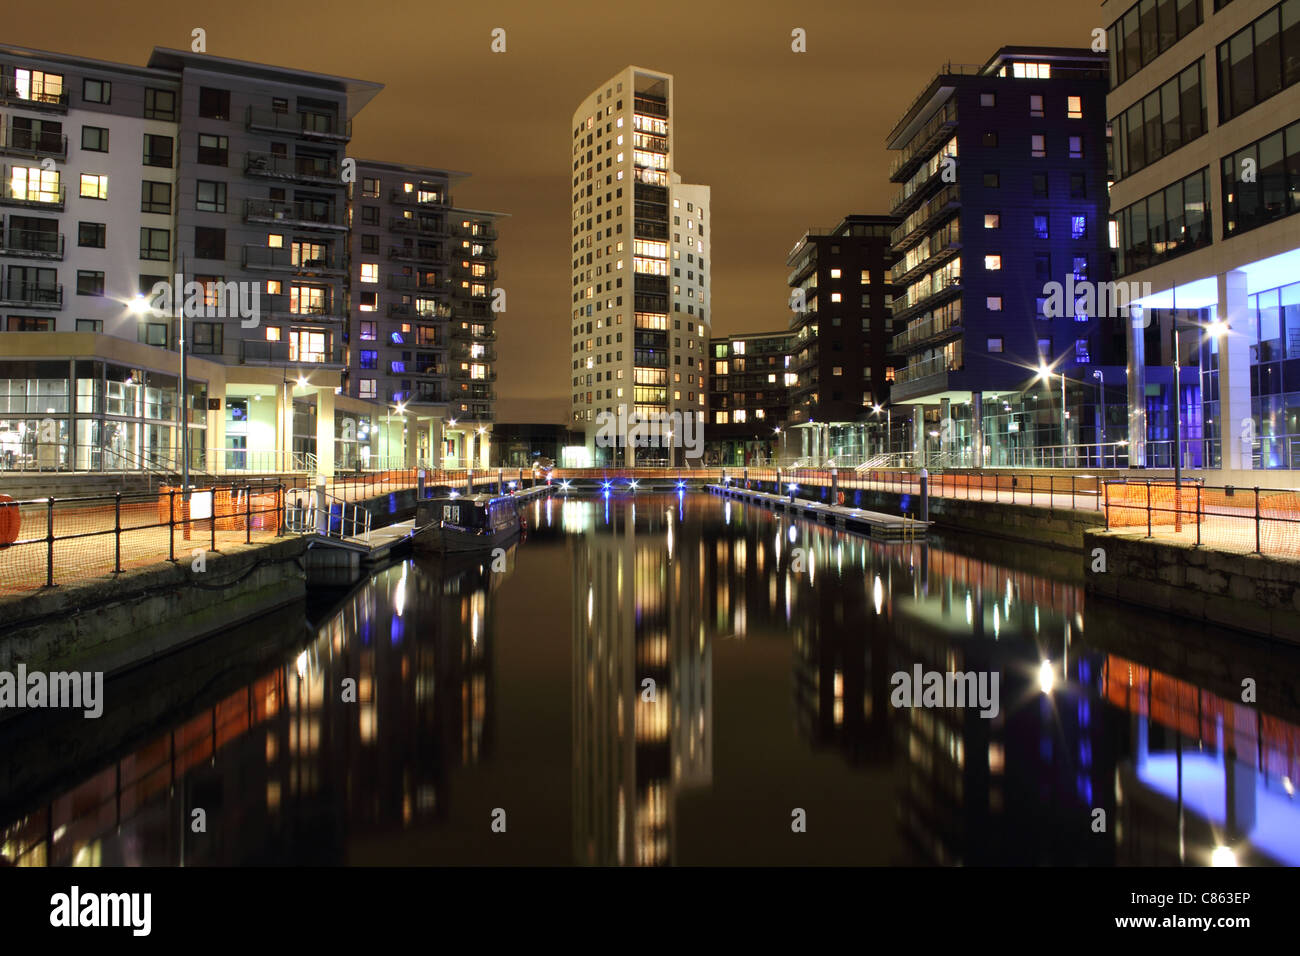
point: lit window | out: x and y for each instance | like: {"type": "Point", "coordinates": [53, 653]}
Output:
{"type": "Point", "coordinates": [1037, 145]}
{"type": "Point", "coordinates": [992, 220]}
{"type": "Point", "coordinates": [93, 186]}
{"type": "Point", "coordinates": [992, 263]}
{"type": "Point", "coordinates": [1074, 107]}
{"type": "Point", "coordinates": [995, 343]}
{"type": "Point", "coordinates": [835, 273]}
{"type": "Point", "coordinates": [1035, 105]}
{"type": "Point", "coordinates": [369, 272]}
{"type": "Point", "coordinates": [993, 303]}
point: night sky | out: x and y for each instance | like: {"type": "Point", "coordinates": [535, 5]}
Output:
{"type": "Point", "coordinates": [787, 141]}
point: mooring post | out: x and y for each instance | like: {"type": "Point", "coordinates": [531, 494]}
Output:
{"type": "Point", "coordinates": [322, 510]}
{"type": "Point", "coordinates": [925, 495]}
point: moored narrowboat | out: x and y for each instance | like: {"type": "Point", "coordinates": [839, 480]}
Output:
{"type": "Point", "coordinates": [455, 523]}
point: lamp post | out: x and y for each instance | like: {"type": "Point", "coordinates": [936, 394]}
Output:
{"type": "Point", "coordinates": [388, 433]}
{"type": "Point", "coordinates": [1101, 404]}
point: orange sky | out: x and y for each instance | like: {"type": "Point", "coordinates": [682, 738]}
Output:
{"type": "Point", "coordinates": [787, 141]}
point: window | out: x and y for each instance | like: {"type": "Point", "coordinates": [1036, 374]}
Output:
{"type": "Point", "coordinates": [90, 283]}
{"type": "Point", "coordinates": [1076, 147]}
{"type": "Point", "coordinates": [992, 220]}
{"type": "Point", "coordinates": [1079, 227]}
{"type": "Point", "coordinates": [988, 99]}
{"type": "Point", "coordinates": [94, 139]}
{"type": "Point", "coordinates": [90, 325]}
{"type": "Point", "coordinates": [1042, 266]}
{"type": "Point", "coordinates": [213, 150]}
{"type": "Point", "coordinates": [992, 263]}
{"type": "Point", "coordinates": [96, 91]}
{"type": "Point", "coordinates": [369, 243]}
{"type": "Point", "coordinates": [158, 151]}
{"type": "Point", "coordinates": [1145, 31]}
{"type": "Point", "coordinates": [370, 188]}
{"type": "Point", "coordinates": [1040, 226]}
{"type": "Point", "coordinates": [209, 196]}
{"type": "Point", "coordinates": [993, 303]}
{"type": "Point", "coordinates": [865, 277]}
{"type": "Point", "coordinates": [995, 343]}
{"type": "Point", "coordinates": [209, 243]}
{"type": "Point", "coordinates": [1036, 106]}
{"type": "Point", "coordinates": [990, 140]}
{"type": "Point", "coordinates": [1080, 268]}
{"type": "Point", "coordinates": [1074, 107]}
{"type": "Point", "coordinates": [990, 180]}
{"type": "Point", "coordinates": [369, 358]}
{"type": "Point", "coordinates": [94, 186]}
{"type": "Point", "coordinates": [1081, 351]}
{"type": "Point", "coordinates": [1275, 189]}
{"type": "Point", "coordinates": [368, 331]}
{"type": "Point", "coordinates": [1040, 185]}
{"type": "Point", "coordinates": [156, 197]}
{"type": "Point", "coordinates": [366, 388]}
{"type": "Point", "coordinates": [155, 244]}
{"type": "Point", "coordinates": [29, 323]}
{"type": "Point", "coordinates": [1078, 186]}
{"type": "Point", "coordinates": [159, 104]}
{"type": "Point", "coordinates": [37, 86]}
{"type": "Point", "coordinates": [1260, 60]}
{"type": "Point", "coordinates": [214, 103]}
{"type": "Point", "coordinates": [1037, 145]}
{"type": "Point", "coordinates": [369, 272]}
{"type": "Point", "coordinates": [92, 234]}
{"type": "Point", "coordinates": [370, 215]}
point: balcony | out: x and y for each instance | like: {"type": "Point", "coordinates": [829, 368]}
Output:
{"type": "Point", "coordinates": [282, 305]}
{"type": "Point", "coordinates": [15, 194]}
{"type": "Point", "coordinates": [921, 378]}
{"type": "Point", "coordinates": [11, 96]}
{"type": "Point", "coordinates": [472, 333]}
{"type": "Point", "coordinates": [420, 226]}
{"type": "Point", "coordinates": [400, 197]}
{"type": "Point", "coordinates": [429, 254]}
{"type": "Point", "coordinates": [407, 310]}
{"type": "Point", "coordinates": [28, 244]}
{"type": "Point", "coordinates": [483, 231]}
{"type": "Point", "coordinates": [257, 352]}
{"type": "Point", "coordinates": [311, 126]}
{"type": "Point", "coordinates": [926, 333]}
{"type": "Point", "coordinates": [22, 142]}
{"type": "Point", "coordinates": [936, 132]}
{"type": "Point", "coordinates": [473, 393]}
{"type": "Point", "coordinates": [942, 202]}
{"type": "Point", "coordinates": [941, 250]}
{"type": "Point", "coordinates": [946, 290]}
{"type": "Point", "coordinates": [17, 295]}
{"type": "Point", "coordinates": [464, 352]}
{"type": "Point", "coordinates": [282, 260]}
{"type": "Point", "coordinates": [428, 285]}
{"type": "Point", "coordinates": [460, 271]}
{"type": "Point", "coordinates": [301, 214]}
{"type": "Point", "coordinates": [427, 369]}
{"type": "Point", "coordinates": [465, 375]}
{"type": "Point", "coordinates": [301, 169]}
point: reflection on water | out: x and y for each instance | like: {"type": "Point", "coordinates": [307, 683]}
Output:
{"type": "Point", "coordinates": [665, 680]}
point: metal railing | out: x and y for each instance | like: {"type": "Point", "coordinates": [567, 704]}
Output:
{"type": "Point", "coordinates": [1224, 517]}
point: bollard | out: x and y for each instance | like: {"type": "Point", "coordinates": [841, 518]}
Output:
{"type": "Point", "coordinates": [419, 485]}
{"type": "Point", "coordinates": [117, 533]}
{"type": "Point", "coordinates": [925, 495]}
{"type": "Point", "coordinates": [835, 486]}
{"type": "Point", "coordinates": [322, 511]}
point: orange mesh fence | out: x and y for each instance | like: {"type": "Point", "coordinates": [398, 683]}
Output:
{"type": "Point", "coordinates": [1262, 520]}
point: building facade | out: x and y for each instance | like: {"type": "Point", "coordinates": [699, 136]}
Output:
{"type": "Point", "coordinates": [1205, 104]}
{"type": "Point", "coordinates": [195, 207]}
{"type": "Point", "coordinates": [749, 397]}
{"type": "Point", "coordinates": [640, 267]}
{"type": "Point", "coordinates": [842, 321]}
{"type": "Point", "coordinates": [1002, 175]}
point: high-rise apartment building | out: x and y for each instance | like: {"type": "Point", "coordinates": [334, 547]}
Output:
{"type": "Point", "coordinates": [233, 177]}
{"type": "Point", "coordinates": [842, 300]}
{"type": "Point", "coordinates": [749, 396]}
{"type": "Point", "coordinates": [641, 290]}
{"type": "Point", "coordinates": [1205, 108]}
{"type": "Point", "coordinates": [1002, 174]}
{"type": "Point", "coordinates": [422, 330]}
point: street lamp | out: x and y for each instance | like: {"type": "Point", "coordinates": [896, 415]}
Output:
{"type": "Point", "coordinates": [889, 423]}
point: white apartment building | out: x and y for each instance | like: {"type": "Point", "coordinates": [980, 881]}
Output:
{"type": "Point", "coordinates": [640, 300]}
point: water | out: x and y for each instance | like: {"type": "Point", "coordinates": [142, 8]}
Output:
{"type": "Point", "coordinates": [518, 695]}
